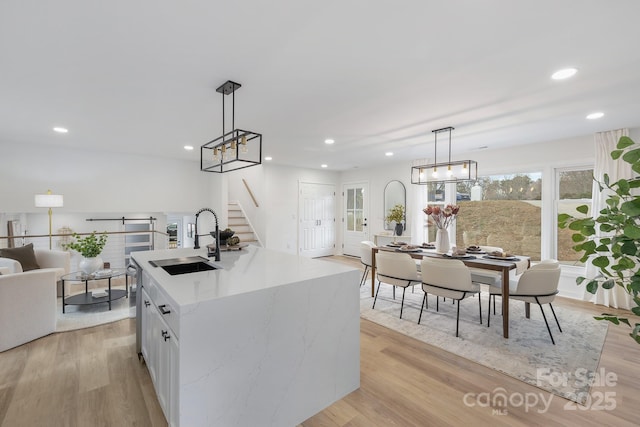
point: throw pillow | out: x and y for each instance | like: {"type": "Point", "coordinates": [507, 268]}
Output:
{"type": "Point", "coordinates": [24, 255]}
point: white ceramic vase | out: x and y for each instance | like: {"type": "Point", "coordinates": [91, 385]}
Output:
{"type": "Point", "coordinates": [90, 265]}
{"type": "Point", "coordinates": [442, 241]}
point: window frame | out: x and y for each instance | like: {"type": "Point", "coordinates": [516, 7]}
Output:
{"type": "Point", "coordinates": [556, 201]}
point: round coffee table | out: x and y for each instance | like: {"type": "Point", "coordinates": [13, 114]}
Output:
{"type": "Point", "coordinates": [87, 297]}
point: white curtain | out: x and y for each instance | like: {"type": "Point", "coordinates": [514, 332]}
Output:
{"type": "Point", "coordinates": [605, 143]}
{"type": "Point", "coordinates": [420, 200]}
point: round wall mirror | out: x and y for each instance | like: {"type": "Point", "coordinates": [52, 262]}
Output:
{"type": "Point", "coordinates": [394, 194]}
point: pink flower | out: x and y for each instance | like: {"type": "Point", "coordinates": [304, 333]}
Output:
{"type": "Point", "coordinates": [442, 217]}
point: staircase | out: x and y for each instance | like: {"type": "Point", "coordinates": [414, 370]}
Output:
{"type": "Point", "coordinates": [239, 223]}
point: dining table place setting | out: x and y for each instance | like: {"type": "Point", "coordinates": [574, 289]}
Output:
{"type": "Point", "coordinates": [459, 254]}
{"type": "Point", "coordinates": [409, 248]}
{"type": "Point", "coordinates": [476, 250]}
{"type": "Point", "coordinates": [397, 244]}
{"type": "Point", "coordinates": [502, 256]}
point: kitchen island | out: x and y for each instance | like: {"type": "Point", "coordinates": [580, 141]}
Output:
{"type": "Point", "coordinates": [267, 338]}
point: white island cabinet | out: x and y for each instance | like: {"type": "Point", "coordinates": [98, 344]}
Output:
{"type": "Point", "coordinates": [268, 339]}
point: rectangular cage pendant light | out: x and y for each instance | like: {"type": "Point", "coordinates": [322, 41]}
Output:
{"type": "Point", "coordinates": [233, 150]}
{"type": "Point", "coordinates": [451, 171]}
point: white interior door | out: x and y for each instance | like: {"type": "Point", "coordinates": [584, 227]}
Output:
{"type": "Point", "coordinates": [317, 219]}
{"type": "Point", "coordinates": [355, 217]}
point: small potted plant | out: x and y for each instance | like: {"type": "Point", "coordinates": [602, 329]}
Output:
{"type": "Point", "coordinates": [90, 247]}
{"type": "Point", "coordinates": [396, 214]}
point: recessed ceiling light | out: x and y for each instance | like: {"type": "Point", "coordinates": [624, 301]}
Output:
{"type": "Point", "coordinates": [60, 130]}
{"type": "Point", "coordinates": [329, 141]}
{"type": "Point", "coordinates": [388, 154]}
{"type": "Point", "coordinates": [565, 73]}
{"type": "Point", "coordinates": [188, 147]}
{"type": "Point", "coordinates": [268, 158]}
{"type": "Point", "coordinates": [324, 166]}
{"type": "Point", "coordinates": [594, 116]}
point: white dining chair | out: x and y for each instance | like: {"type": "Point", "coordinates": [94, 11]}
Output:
{"type": "Point", "coordinates": [537, 285]}
{"type": "Point", "coordinates": [449, 279]}
{"type": "Point", "coordinates": [396, 269]}
{"type": "Point", "coordinates": [365, 258]}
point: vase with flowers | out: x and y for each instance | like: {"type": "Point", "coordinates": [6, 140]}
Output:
{"type": "Point", "coordinates": [90, 247]}
{"type": "Point", "coordinates": [396, 214]}
{"type": "Point", "coordinates": [442, 218]}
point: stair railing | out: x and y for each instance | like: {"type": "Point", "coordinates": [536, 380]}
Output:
{"type": "Point", "coordinates": [255, 202]}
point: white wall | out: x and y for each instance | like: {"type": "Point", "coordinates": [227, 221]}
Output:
{"type": "Point", "coordinates": [100, 181]}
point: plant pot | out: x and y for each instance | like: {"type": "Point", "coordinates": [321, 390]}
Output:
{"type": "Point", "coordinates": [442, 241]}
{"type": "Point", "coordinates": [90, 265]}
{"type": "Point", "coordinates": [399, 229]}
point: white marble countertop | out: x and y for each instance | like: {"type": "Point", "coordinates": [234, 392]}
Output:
{"type": "Point", "coordinates": [247, 270]}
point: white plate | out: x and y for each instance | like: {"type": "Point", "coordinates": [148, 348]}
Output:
{"type": "Point", "coordinates": [502, 258]}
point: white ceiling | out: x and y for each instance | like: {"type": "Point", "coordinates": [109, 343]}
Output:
{"type": "Point", "coordinates": [139, 76]}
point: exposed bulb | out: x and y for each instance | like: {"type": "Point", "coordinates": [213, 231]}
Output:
{"type": "Point", "coordinates": [232, 148]}
{"type": "Point", "coordinates": [449, 171]}
{"type": "Point", "coordinates": [224, 152]}
{"type": "Point", "coordinates": [243, 145]}
{"type": "Point", "coordinates": [216, 156]}
{"type": "Point", "coordinates": [435, 172]}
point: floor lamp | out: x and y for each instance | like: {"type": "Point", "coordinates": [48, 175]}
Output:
{"type": "Point", "coordinates": [49, 201]}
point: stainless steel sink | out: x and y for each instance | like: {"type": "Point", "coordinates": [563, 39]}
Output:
{"type": "Point", "coordinates": [184, 265]}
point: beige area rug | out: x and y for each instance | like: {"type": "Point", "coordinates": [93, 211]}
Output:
{"type": "Point", "coordinates": [86, 316]}
{"type": "Point", "coordinates": [563, 369]}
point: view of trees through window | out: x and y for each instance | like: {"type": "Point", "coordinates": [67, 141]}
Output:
{"type": "Point", "coordinates": [502, 211]}
{"type": "Point", "coordinates": [574, 189]}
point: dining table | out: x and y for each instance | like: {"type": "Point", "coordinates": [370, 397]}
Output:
{"type": "Point", "coordinates": [482, 261]}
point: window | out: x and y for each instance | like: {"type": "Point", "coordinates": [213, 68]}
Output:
{"type": "Point", "coordinates": [503, 211]}
{"type": "Point", "coordinates": [355, 209]}
{"type": "Point", "coordinates": [436, 193]}
{"type": "Point", "coordinates": [573, 189]}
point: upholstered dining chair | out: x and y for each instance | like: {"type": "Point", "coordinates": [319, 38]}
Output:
{"type": "Point", "coordinates": [365, 258]}
{"type": "Point", "coordinates": [537, 285]}
{"type": "Point", "coordinates": [449, 279]}
{"type": "Point", "coordinates": [398, 270]}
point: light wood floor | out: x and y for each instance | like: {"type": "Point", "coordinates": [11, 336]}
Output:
{"type": "Point", "coordinates": [92, 377]}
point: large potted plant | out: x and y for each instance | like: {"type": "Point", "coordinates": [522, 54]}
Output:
{"type": "Point", "coordinates": [90, 247]}
{"type": "Point", "coordinates": [396, 214]}
{"type": "Point", "coordinates": [615, 250]}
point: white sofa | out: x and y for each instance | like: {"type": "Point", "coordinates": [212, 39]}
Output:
{"type": "Point", "coordinates": [27, 306]}
{"type": "Point", "coordinates": [58, 261]}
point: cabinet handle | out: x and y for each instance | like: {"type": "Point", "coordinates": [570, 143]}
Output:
{"type": "Point", "coordinates": [163, 309]}
{"type": "Point", "coordinates": [164, 333]}
{"type": "Point", "coordinates": [147, 303]}
{"type": "Point", "coordinates": [166, 337]}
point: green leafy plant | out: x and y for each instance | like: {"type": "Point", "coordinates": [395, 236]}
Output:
{"type": "Point", "coordinates": [616, 251]}
{"type": "Point", "coordinates": [89, 246]}
{"type": "Point", "coordinates": [396, 214]}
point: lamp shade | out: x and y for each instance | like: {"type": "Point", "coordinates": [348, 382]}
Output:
{"type": "Point", "coordinates": [49, 201]}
